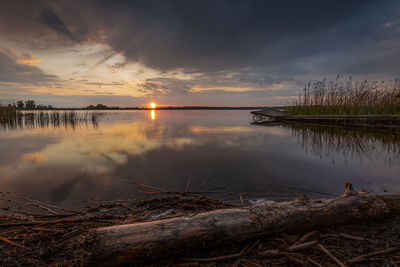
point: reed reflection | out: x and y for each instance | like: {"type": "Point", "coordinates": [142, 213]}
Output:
{"type": "Point", "coordinates": [328, 142]}
{"type": "Point", "coordinates": [64, 166]}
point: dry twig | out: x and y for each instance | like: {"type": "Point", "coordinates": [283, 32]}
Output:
{"type": "Point", "coordinates": [323, 249]}
{"type": "Point", "coordinates": [375, 253]}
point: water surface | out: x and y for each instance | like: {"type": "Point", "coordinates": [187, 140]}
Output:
{"type": "Point", "coordinates": [192, 150]}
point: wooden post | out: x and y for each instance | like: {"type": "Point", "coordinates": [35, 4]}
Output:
{"type": "Point", "coordinates": [149, 240]}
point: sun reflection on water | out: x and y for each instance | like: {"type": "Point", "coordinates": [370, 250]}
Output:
{"type": "Point", "coordinates": [153, 114]}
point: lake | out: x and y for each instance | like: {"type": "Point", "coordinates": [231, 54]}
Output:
{"type": "Point", "coordinates": [198, 150]}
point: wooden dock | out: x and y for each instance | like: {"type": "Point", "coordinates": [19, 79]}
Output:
{"type": "Point", "coordinates": [268, 115]}
{"type": "Point", "coordinates": [273, 116]}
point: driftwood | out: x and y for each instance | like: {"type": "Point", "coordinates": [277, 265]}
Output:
{"type": "Point", "coordinates": [149, 240]}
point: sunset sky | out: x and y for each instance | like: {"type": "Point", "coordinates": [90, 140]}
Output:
{"type": "Point", "coordinates": [216, 52]}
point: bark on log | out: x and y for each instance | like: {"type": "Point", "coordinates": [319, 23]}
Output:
{"type": "Point", "coordinates": [149, 240]}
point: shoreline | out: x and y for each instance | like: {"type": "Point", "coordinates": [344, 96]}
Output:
{"type": "Point", "coordinates": [59, 236]}
{"type": "Point", "coordinates": [147, 108]}
{"type": "Point", "coordinates": [370, 122]}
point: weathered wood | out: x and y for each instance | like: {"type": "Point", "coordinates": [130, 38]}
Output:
{"type": "Point", "coordinates": [148, 240]}
{"type": "Point", "coordinates": [270, 112]}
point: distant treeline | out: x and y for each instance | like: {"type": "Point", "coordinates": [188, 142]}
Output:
{"type": "Point", "coordinates": [31, 105]}
{"type": "Point", "coordinates": [104, 107]}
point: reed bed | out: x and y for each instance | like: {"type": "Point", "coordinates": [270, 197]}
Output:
{"type": "Point", "coordinates": [7, 113]}
{"type": "Point", "coordinates": [12, 118]}
{"type": "Point", "coordinates": [337, 97]}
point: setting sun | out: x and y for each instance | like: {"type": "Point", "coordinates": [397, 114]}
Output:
{"type": "Point", "coordinates": [153, 105]}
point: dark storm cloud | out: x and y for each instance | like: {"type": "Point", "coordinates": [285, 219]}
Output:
{"type": "Point", "coordinates": [205, 36]}
{"type": "Point", "coordinates": [220, 35]}
{"type": "Point", "coordinates": [270, 45]}
{"type": "Point", "coordinates": [13, 72]}
{"type": "Point", "coordinates": [165, 86]}
{"type": "Point", "coordinates": [220, 81]}
{"type": "Point", "coordinates": [52, 20]}
{"type": "Point", "coordinates": [385, 62]}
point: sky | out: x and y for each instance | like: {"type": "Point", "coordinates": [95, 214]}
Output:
{"type": "Point", "coordinates": [177, 52]}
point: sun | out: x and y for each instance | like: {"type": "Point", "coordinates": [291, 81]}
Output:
{"type": "Point", "coordinates": [153, 105]}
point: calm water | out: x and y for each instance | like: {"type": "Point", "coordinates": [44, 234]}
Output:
{"type": "Point", "coordinates": [197, 150]}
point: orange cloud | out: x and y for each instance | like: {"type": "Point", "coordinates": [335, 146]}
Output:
{"type": "Point", "coordinates": [24, 58]}
{"type": "Point", "coordinates": [27, 59]}
{"type": "Point", "coordinates": [33, 157]}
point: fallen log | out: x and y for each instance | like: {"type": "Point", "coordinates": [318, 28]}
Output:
{"type": "Point", "coordinates": [149, 240]}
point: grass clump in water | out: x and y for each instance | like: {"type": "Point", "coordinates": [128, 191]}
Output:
{"type": "Point", "coordinates": [12, 118]}
{"type": "Point", "coordinates": [336, 97]}
{"type": "Point", "coordinates": [9, 115]}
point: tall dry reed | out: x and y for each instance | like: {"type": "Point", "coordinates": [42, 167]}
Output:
{"type": "Point", "coordinates": [336, 97]}
{"type": "Point", "coordinates": [12, 118]}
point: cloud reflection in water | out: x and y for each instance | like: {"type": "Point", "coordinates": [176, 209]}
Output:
{"type": "Point", "coordinates": [70, 165]}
